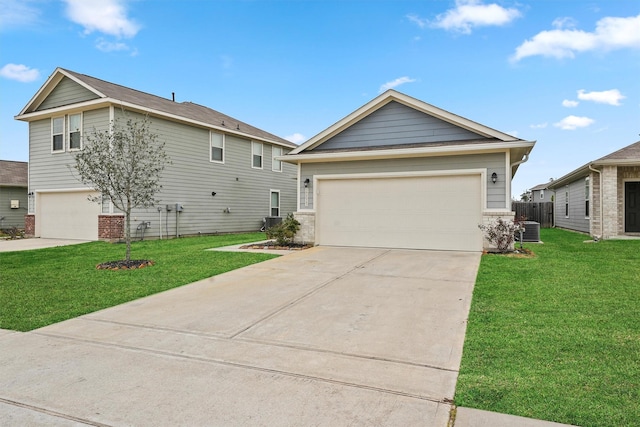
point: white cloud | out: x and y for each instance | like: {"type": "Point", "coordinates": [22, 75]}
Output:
{"type": "Point", "coordinates": [107, 46]}
{"type": "Point", "coordinates": [417, 20]}
{"type": "Point", "coordinates": [105, 16]}
{"type": "Point", "coordinates": [610, 34]}
{"type": "Point", "coordinates": [574, 122]}
{"type": "Point", "coordinates": [569, 104]}
{"type": "Point", "coordinates": [469, 14]}
{"type": "Point", "coordinates": [296, 138]}
{"type": "Point", "coordinates": [611, 97]}
{"type": "Point", "coordinates": [395, 83]}
{"type": "Point", "coordinates": [539, 126]}
{"type": "Point", "coordinates": [19, 72]}
{"type": "Point", "coordinates": [565, 22]}
{"type": "Point", "coordinates": [18, 13]}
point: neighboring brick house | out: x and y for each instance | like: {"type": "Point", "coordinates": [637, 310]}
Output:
{"type": "Point", "coordinates": [541, 193]}
{"type": "Point", "coordinates": [13, 193]}
{"type": "Point", "coordinates": [225, 175]}
{"type": "Point", "coordinates": [601, 198]}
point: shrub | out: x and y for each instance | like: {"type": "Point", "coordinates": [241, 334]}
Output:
{"type": "Point", "coordinates": [285, 231]}
{"type": "Point", "coordinates": [501, 233]}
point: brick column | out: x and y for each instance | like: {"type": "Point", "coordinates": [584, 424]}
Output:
{"type": "Point", "coordinates": [110, 227]}
{"type": "Point", "coordinates": [609, 193]}
{"type": "Point", "coordinates": [29, 225]}
{"type": "Point", "coordinates": [307, 233]}
{"type": "Point", "coordinates": [488, 217]}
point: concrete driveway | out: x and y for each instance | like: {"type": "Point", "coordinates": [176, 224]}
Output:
{"type": "Point", "coordinates": [7, 245]}
{"type": "Point", "coordinates": [325, 336]}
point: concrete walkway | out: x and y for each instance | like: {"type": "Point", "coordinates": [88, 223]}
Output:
{"type": "Point", "coordinates": [325, 336]}
{"type": "Point", "coordinates": [35, 243]}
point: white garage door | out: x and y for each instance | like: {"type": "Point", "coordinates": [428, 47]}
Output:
{"type": "Point", "coordinates": [67, 216]}
{"type": "Point", "coordinates": [426, 212]}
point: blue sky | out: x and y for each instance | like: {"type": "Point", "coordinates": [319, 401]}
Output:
{"type": "Point", "coordinates": [564, 73]}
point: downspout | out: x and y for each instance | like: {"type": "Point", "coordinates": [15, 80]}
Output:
{"type": "Point", "coordinates": [601, 213]}
{"type": "Point", "coordinates": [519, 162]}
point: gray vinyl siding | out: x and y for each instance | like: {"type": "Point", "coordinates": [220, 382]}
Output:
{"type": "Point", "coordinates": [576, 219]}
{"type": "Point", "coordinates": [189, 179]}
{"type": "Point", "coordinates": [546, 196]}
{"type": "Point", "coordinates": [47, 170]}
{"type": "Point", "coordinates": [192, 177]}
{"type": "Point", "coordinates": [493, 162]}
{"type": "Point", "coordinates": [396, 124]}
{"type": "Point", "coordinates": [12, 217]}
{"type": "Point", "coordinates": [67, 92]}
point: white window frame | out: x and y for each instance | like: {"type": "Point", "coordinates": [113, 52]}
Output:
{"type": "Point", "coordinates": [211, 146]}
{"type": "Point", "coordinates": [274, 161]}
{"type": "Point", "coordinates": [254, 145]}
{"type": "Point", "coordinates": [53, 134]}
{"type": "Point", "coordinates": [587, 198]}
{"type": "Point", "coordinates": [541, 194]}
{"type": "Point", "coordinates": [69, 131]}
{"type": "Point", "coordinates": [271, 207]}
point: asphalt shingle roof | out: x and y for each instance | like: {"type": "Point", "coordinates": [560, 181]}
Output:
{"type": "Point", "coordinates": [13, 173]}
{"type": "Point", "coordinates": [188, 110]}
{"type": "Point", "coordinates": [630, 152]}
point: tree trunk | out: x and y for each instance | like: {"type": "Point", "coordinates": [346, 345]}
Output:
{"type": "Point", "coordinates": [127, 232]}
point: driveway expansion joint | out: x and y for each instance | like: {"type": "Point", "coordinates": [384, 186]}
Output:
{"type": "Point", "coordinates": [52, 413]}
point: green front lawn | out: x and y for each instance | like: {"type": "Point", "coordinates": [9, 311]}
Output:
{"type": "Point", "coordinates": [557, 337]}
{"type": "Point", "coordinates": [45, 286]}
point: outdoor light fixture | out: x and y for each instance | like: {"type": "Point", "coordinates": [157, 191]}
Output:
{"type": "Point", "coordinates": [306, 183]}
{"type": "Point", "coordinates": [494, 177]}
{"type": "Point", "coordinates": [213, 193]}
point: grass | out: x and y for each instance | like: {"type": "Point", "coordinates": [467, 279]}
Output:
{"type": "Point", "coordinates": [45, 286]}
{"type": "Point", "coordinates": [557, 337]}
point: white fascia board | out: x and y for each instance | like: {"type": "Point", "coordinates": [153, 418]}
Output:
{"type": "Point", "coordinates": [614, 162]}
{"type": "Point", "coordinates": [106, 102]}
{"type": "Point", "coordinates": [405, 152]}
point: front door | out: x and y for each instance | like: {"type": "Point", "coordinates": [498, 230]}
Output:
{"type": "Point", "coordinates": [632, 207]}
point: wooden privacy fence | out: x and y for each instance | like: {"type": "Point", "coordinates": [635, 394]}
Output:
{"type": "Point", "coordinates": [538, 212]}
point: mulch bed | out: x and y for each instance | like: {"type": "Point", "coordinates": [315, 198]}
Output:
{"type": "Point", "coordinates": [125, 265]}
{"type": "Point", "coordinates": [274, 246]}
{"type": "Point", "coordinates": [518, 253]}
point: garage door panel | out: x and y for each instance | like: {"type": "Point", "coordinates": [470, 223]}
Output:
{"type": "Point", "coordinates": [67, 215]}
{"type": "Point", "coordinates": [440, 212]}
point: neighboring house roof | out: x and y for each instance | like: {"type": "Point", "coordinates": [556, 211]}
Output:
{"type": "Point", "coordinates": [626, 156]}
{"type": "Point", "coordinates": [111, 93]}
{"type": "Point", "coordinates": [541, 186]}
{"type": "Point", "coordinates": [14, 174]}
{"type": "Point", "coordinates": [485, 138]}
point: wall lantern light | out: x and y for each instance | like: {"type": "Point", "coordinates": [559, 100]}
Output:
{"type": "Point", "coordinates": [494, 177]}
{"type": "Point", "coordinates": [213, 193]}
{"type": "Point", "coordinates": [306, 183]}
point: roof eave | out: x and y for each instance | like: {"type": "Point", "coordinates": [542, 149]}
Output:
{"type": "Point", "coordinates": [106, 102]}
{"type": "Point", "coordinates": [408, 152]}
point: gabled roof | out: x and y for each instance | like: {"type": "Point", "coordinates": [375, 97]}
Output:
{"type": "Point", "coordinates": [113, 94]}
{"type": "Point", "coordinates": [390, 96]}
{"type": "Point", "coordinates": [541, 186]}
{"type": "Point", "coordinates": [487, 138]}
{"type": "Point", "coordinates": [14, 174]}
{"type": "Point", "coordinates": [626, 156]}
{"type": "Point", "coordinates": [630, 153]}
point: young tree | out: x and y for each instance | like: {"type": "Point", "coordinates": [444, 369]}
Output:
{"type": "Point", "coordinates": [124, 164]}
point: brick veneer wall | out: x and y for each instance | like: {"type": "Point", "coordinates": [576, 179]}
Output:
{"type": "Point", "coordinates": [30, 225]}
{"type": "Point", "coordinates": [307, 233]}
{"type": "Point", "coordinates": [110, 227]}
{"type": "Point", "coordinates": [609, 201]}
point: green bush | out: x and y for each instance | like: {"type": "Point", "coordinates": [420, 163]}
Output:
{"type": "Point", "coordinates": [285, 231]}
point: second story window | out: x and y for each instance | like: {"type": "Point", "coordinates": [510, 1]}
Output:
{"type": "Point", "coordinates": [276, 165]}
{"type": "Point", "coordinates": [75, 123]}
{"type": "Point", "coordinates": [57, 134]}
{"type": "Point", "coordinates": [217, 147]}
{"type": "Point", "coordinates": [256, 155]}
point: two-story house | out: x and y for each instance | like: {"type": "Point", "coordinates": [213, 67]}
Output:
{"type": "Point", "coordinates": [224, 175]}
